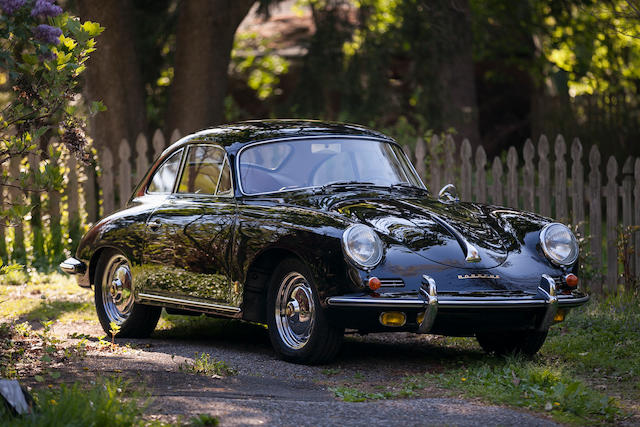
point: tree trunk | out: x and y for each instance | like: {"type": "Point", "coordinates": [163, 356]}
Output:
{"type": "Point", "coordinates": [456, 72]}
{"type": "Point", "coordinates": [113, 74]}
{"type": "Point", "coordinates": [204, 39]}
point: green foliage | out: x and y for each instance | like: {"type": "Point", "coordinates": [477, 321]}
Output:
{"type": "Point", "coordinates": [520, 382]}
{"type": "Point", "coordinates": [101, 405]}
{"type": "Point", "coordinates": [204, 420]}
{"type": "Point", "coordinates": [204, 364]}
{"type": "Point", "coordinates": [43, 72]}
{"type": "Point", "coordinates": [253, 60]}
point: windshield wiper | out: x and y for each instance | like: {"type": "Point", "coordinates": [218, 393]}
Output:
{"type": "Point", "coordinates": [406, 185]}
{"type": "Point", "coordinates": [345, 184]}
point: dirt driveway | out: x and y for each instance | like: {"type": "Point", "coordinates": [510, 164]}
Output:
{"type": "Point", "coordinates": [268, 391]}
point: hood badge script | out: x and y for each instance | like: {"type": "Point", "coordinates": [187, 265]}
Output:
{"type": "Point", "coordinates": [478, 276]}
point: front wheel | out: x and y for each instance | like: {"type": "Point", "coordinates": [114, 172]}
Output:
{"type": "Point", "coordinates": [298, 327]}
{"type": "Point", "coordinates": [520, 342]}
{"type": "Point", "coordinates": [115, 302]}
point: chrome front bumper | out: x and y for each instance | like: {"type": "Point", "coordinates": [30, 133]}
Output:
{"type": "Point", "coordinates": [431, 302]}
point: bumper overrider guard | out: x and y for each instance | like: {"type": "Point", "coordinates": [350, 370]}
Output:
{"type": "Point", "coordinates": [73, 266]}
{"type": "Point", "coordinates": [429, 300]}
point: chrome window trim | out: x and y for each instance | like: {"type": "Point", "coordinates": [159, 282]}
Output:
{"type": "Point", "coordinates": [186, 148]}
{"type": "Point", "coordinates": [297, 138]}
{"type": "Point", "coordinates": [175, 180]}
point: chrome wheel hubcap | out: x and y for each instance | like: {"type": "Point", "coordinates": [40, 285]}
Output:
{"type": "Point", "coordinates": [295, 311]}
{"type": "Point", "coordinates": [117, 295]}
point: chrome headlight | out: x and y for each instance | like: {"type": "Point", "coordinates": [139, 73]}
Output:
{"type": "Point", "coordinates": [559, 244]}
{"type": "Point", "coordinates": [362, 245]}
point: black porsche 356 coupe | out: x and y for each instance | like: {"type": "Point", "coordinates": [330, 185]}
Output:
{"type": "Point", "coordinates": [314, 227]}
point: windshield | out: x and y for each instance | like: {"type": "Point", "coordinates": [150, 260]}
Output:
{"type": "Point", "coordinates": [284, 165]}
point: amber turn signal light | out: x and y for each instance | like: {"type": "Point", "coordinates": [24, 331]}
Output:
{"type": "Point", "coordinates": [374, 283]}
{"type": "Point", "coordinates": [571, 280]}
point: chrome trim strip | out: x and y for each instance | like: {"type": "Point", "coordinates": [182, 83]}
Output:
{"type": "Point", "coordinates": [375, 302]}
{"type": "Point", "coordinates": [429, 291]}
{"type": "Point", "coordinates": [391, 283]}
{"type": "Point", "coordinates": [295, 138]}
{"type": "Point", "coordinates": [190, 303]}
{"type": "Point", "coordinates": [73, 266]}
{"type": "Point", "coordinates": [475, 302]}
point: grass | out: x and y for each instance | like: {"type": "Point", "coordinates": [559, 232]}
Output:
{"type": "Point", "coordinates": [586, 373]}
{"type": "Point", "coordinates": [204, 364]}
{"type": "Point", "coordinates": [105, 404]}
{"type": "Point", "coordinates": [40, 297]}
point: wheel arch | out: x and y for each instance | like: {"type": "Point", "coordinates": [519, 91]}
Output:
{"type": "Point", "coordinates": [257, 282]}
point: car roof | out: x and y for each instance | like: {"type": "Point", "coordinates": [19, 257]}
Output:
{"type": "Point", "coordinates": [236, 135]}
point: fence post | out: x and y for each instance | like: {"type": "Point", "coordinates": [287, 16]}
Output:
{"type": "Point", "coordinates": [626, 192]}
{"type": "Point", "coordinates": [577, 186]}
{"type": "Point", "coordinates": [37, 233]}
{"type": "Point", "coordinates": [450, 166]}
{"type": "Point", "coordinates": [636, 209]}
{"type": "Point", "coordinates": [91, 196]}
{"type": "Point", "coordinates": [4, 255]}
{"type": "Point", "coordinates": [73, 203]}
{"type": "Point", "coordinates": [142, 161]}
{"type": "Point", "coordinates": [543, 176]}
{"type": "Point", "coordinates": [434, 164]}
{"type": "Point", "coordinates": [481, 177]}
{"type": "Point", "coordinates": [528, 190]}
{"type": "Point", "coordinates": [611, 195]}
{"type": "Point", "coordinates": [124, 172]}
{"type": "Point", "coordinates": [18, 252]}
{"type": "Point", "coordinates": [465, 170]}
{"type": "Point", "coordinates": [512, 177]}
{"type": "Point", "coordinates": [421, 152]}
{"type": "Point", "coordinates": [106, 182]}
{"type": "Point", "coordinates": [175, 135]}
{"type": "Point", "coordinates": [496, 184]}
{"type": "Point", "coordinates": [560, 180]}
{"type": "Point", "coordinates": [158, 144]}
{"type": "Point", "coordinates": [595, 216]}
{"type": "Point", "coordinates": [56, 247]}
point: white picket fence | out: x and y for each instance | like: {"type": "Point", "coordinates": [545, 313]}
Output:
{"type": "Point", "coordinates": [534, 180]}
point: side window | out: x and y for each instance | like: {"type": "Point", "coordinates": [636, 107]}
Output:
{"type": "Point", "coordinates": [206, 172]}
{"type": "Point", "coordinates": [165, 176]}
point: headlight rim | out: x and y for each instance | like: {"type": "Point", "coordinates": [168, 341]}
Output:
{"type": "Point", "coordinates": [548, 252]}
{"type": "Point", "coordinates": [352, 259]}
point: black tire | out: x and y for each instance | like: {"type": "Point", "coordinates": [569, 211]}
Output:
{"type": "Point", "coordinates": [303, 336]}
{"type": "Point", "coordinates": [512, 342]}
{"type": "Point", "coordinates": [135, 320]}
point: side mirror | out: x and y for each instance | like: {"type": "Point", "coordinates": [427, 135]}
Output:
{"type": "Point", "coordinates": [448, 194]}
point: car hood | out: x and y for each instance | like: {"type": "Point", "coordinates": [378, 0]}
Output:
{"type": "Point", "coordinates": [437, 231]}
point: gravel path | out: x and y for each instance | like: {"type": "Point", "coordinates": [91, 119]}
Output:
{"type": "Point", "coordinates": [268, 391]}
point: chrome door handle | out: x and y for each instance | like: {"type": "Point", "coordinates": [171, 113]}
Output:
{"type": "Point", "coordinates": [153, 225]}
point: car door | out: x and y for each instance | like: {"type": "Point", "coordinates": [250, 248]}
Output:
{"type": "Point", "coordinates": [190, 236]}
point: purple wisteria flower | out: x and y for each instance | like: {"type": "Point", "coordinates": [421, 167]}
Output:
{"type": "Point", "coordinates": [10, 6]}
{"type": "Point", "coordinates": [45, 8]}
{"type": "Point", "coordinates": [47, 34]}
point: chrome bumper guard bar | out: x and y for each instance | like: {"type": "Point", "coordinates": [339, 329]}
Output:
{"type": "Point", "coordinates": [73, 266]}
{"type": "Point", "coordinates": [430, 302]}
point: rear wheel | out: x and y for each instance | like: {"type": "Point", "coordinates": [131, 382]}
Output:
{"type": "Point", "coordinates": [298, 326]}
{"type": "Point", "coordinates": [520, 342]}
{"type": "Point", "coordinates": [115, 302]}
